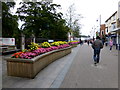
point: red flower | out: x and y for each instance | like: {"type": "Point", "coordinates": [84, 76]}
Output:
{"type": "Point", "coordinates": [17, 55]}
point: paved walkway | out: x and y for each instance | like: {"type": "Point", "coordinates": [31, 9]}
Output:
{"type": "Point", "coordinates": [83, 74]}
{"type": "Point", "coordinates": [75, 70]}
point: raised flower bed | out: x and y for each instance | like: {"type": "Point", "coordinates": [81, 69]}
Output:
{"type": "Point", "coordinates": [73, 43]}
{"type": "Point", "coordinates": [29, 64]}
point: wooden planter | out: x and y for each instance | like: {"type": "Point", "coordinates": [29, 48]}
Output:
{"type": "Point", "coordinates": [29, 68]}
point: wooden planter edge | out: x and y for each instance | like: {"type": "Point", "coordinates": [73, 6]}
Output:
{"type": "Point", "coordinates": [29, 68]}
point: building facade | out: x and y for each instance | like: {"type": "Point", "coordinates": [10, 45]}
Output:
{"type": "Point", "coordinates": [102, 30]}
{"type": "Point", "coordinates": [113, 27]}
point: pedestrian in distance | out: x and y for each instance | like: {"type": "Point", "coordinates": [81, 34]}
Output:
{"type": "Point", "coordinates": [88, 42]}
{"type": "Point", "coordinates": [81, 42]}
{"type": "Point", "coordinates": [97, 45]}
{"type": "Point", "coordinates": [111, 44]}
{"type": "Point", "coordinates": [103, 40]}
{"type": "Point", "coordinates": [91, 41]}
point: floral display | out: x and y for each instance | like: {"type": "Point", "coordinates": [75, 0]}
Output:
{"type": "Point", "coordinates": [33, 46]}
{"type": "Point", "coordinates": [25, 50]}
{"type": "Point", "coordinates": [16, 55]}
{"type": "Point", "coordinates": [45, 45]}
{"type": "Point", "coordinates": [73, 42]}
{"type": "Point", "coordinates": [27, 55]}
{"type": "Point", "coordinates": [58, 43]}
{"type": "Point", "coordinates": [54, 48]}
{"type": "Point", "coordinates": [55, 44]}
{"type": "Point", "coordinates": [35, 50]}
{"type": "Point", "coordinates": [63, 46]}
{"type": "Point", "coordinates": [62, 42]}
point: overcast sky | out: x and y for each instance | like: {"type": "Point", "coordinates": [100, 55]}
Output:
{"type": "Point", "coordinates": [90, 10]}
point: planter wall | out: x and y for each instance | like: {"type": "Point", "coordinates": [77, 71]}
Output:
{"type": "Point", "coordinates": [29, 68]}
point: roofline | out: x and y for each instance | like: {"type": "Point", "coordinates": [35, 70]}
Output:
{"type": "Point", "coordinates": [111, 16]}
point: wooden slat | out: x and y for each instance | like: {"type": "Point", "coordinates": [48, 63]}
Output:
{"type": "Point", "coordinates": [29, 69]}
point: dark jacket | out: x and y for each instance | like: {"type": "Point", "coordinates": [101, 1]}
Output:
{"type": "Point", "coordinates": [97, 44]}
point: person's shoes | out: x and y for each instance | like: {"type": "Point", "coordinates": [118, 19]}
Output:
{"type": "Point", "coordinates": [95, 63]}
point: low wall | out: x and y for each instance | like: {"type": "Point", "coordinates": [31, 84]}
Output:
{"type": "Point", "coordinates": [29, 68]}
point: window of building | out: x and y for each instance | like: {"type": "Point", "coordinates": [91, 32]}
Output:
{"type": "Point", "coordinates": [113, 26]}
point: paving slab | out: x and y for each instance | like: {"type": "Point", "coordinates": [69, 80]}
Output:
{"type": "Point", "coordinates": [47, 78]}
{"type": "Point", "coordinates": [83, 73]}
{"type": "Point", "coordinates": [75, 70]}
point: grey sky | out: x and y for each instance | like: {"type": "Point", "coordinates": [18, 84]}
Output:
{"type": "Point", "coordinates": [91, 10]}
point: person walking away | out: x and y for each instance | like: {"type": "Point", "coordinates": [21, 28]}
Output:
{"type": "Point", "coordinates": [97, 46]}
{"type": "Point", "coordinates": [81, 42]}
{"type": "Point", "coordinates": [88, 42]}
{"type": "Point", "coordinates": [111, 44]}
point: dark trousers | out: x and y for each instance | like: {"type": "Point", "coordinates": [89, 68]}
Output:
{"type": "Point", "coordinates": [96, 55]}
{"type": "Point", "coordinates": [110, 47]}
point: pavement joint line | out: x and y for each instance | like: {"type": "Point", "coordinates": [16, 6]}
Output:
{"type": "Point", "coordinates": [57, 82]}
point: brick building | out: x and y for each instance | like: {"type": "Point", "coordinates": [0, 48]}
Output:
{"type": "Point", "coordinates": [102, 30]}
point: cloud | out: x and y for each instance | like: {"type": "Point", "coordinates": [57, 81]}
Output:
{"type": "Point", "coordinates": [90, 9]}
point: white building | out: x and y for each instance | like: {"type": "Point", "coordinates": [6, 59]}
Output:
{"type": "Point", "coordinates": [113, 27]}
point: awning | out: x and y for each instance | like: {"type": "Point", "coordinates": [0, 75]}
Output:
{"type": "Point", "coordinates": [113, 35]}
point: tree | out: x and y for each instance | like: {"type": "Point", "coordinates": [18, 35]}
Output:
{"type": "Point", "coordinates": [73, 21]}
{"type": "Point", "coordinates": [76, 28]}
{"type": "Point", "coordinates": [41, 19]}
{"type": "Point", "coordinates": [0, 18]}
{"type": "Point", "coordinates": [9, 21]}
{"type": "Point", "coordinates": [70, 14]}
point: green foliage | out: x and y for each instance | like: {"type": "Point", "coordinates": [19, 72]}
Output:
{"type": "Point", "coordinates": [25, 50]}
{"type": "Point", "coordinates": [9, 21]}
{"type": "Point", "coordinates": [33, 46]}
{"type": "Point", "coordinates": [42, 20]}
{"type": "Point", "coordinates": [73, 21]}
{"type": "Point", "coordinates": [45, 45]}
{"type": "Point", "coordinates": [55, 44]}
{"type": "Point", "coordinates": [76, 33]}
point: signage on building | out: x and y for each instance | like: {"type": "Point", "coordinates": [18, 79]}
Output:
{"type": "Point", "coordinates": [119, 10]}
{"type": "Point", "coordinates": [7, 41]}
{"type": "Point", "coordinates": [50, 40]}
